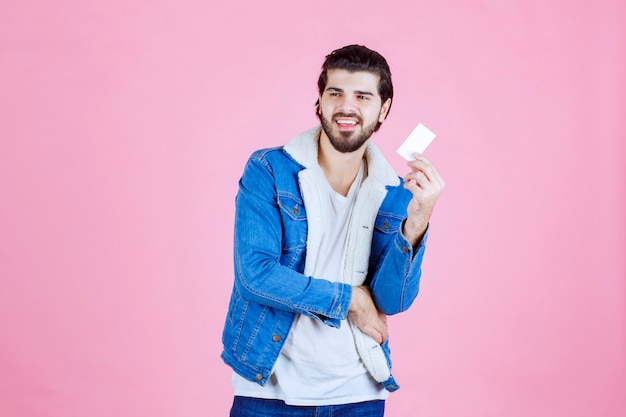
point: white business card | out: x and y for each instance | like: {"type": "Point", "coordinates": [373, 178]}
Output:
{"type": "Point", "coordinates": [417, 141]}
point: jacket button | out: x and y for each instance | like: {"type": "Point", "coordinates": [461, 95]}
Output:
{"type": "Point", "coordinates": [276, 338]}
{"type": "Point", "coordinates": [405, 249]}
{"type": "Point", "coordinates": [386, 224]}
{"type": "Point", "coordinates": [259, 377]}
{"type": "Point", "coordinates": [296, 210]}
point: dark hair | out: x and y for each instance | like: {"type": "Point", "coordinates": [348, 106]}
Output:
{"type": "Point", "coordinates": [357, 58]}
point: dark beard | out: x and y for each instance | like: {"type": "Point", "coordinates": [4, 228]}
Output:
{"type": "Point", "coordinates": [349, 141]}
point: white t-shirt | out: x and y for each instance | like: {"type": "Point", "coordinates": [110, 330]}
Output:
{"type": "Point", "coordinates": [319, 364]}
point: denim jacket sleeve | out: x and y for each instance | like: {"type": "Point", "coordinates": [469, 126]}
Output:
{"type": "Point", "coordinates": [395, 266]}
{"type": "Point", "coordinates": [266, 263]}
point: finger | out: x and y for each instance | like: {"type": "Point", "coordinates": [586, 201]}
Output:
{"type": "Point", "coordinates": [435, 177]}
{"type": "Point", "coordinates": [427, 180]}
{"type": "Point", "coordinates": [374, 333]}
{"type": "Point", "coordinates": [420, 163]}
{"type": "Point", "coordinates": [433, 174]}
{"type": "Point", "coordinates": [377, 337]}
{"type": "Point", "coordinates": [428, 170]}
{"type": "Point", "coordinates": [382, 316]}
{"type": "Point", "coordinates": [384, 329]}
{"type": "Point", "coordinates": [420, 179]}
{"type": "Point", "coordinates": [384, 334]}
{"type": "Point", "coordinates": [414, 188]}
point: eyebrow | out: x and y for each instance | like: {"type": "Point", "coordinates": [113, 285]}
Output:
{"type": "Point", "coordinates": [358, 92]}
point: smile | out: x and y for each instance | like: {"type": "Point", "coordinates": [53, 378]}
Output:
{"type": "Point", "coordinates": [346, 122]}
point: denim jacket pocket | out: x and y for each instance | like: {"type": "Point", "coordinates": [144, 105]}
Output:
{"type": "Point", "coordinates": [293, 217]}
{"type": "Point", "coordinates": [387, 223]}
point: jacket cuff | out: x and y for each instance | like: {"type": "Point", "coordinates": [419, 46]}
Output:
{"type": "Point", "coordinates": [403, 244]}
{"type": "Point", "coordinates": [338, 309]}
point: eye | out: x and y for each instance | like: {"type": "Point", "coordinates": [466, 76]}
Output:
{"type": "Point", "coordinates": [363, 97]}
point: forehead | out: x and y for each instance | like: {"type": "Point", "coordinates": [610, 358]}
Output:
{"type": "Point", "coordinates": [352, 80]}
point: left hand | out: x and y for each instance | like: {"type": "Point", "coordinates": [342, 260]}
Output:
{"type": "Point", "coordinates": [366, 316]}
{"type": "Point", "coordinates": [426, 185]}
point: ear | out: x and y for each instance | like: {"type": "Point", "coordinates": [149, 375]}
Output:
{"type": "Point", "coordinates": [383, 110]}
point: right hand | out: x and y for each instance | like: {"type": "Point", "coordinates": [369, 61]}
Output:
{"type": "Point", "coordinates": [366, 316]}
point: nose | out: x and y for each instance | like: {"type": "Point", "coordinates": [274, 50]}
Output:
{"type": "Point", "coordinates": [347, 105]}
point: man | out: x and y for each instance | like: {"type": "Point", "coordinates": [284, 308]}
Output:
{"type": "Point", "coordinates": [328, 241]}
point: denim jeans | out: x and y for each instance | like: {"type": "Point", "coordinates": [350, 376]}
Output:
{"type": "Point", "coordinates": [256, 407]}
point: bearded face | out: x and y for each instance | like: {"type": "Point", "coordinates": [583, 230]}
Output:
{"type": "Point", "coordinates": [350, 108]}
{"type": "Point", "coordinates": [346, 132]}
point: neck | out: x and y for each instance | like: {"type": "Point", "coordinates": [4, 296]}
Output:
{"type": "Point", "coordinates": [340, 168]}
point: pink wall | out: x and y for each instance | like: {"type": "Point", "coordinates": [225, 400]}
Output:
{"type": "Point", "coordinates": [124, 126]}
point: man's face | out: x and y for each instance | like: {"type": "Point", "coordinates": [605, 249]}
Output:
{"type": "Point", "coordinates": [351, 108]}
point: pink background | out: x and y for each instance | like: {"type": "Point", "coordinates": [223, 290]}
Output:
{"type": "Point", "coordinates": [124, 127]}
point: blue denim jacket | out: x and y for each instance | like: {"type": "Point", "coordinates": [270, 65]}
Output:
{"type": "Point", "coordinates": [270, 249]}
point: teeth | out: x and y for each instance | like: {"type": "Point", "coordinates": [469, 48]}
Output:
{"type": "Point", "coordinates": [346, 122]}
